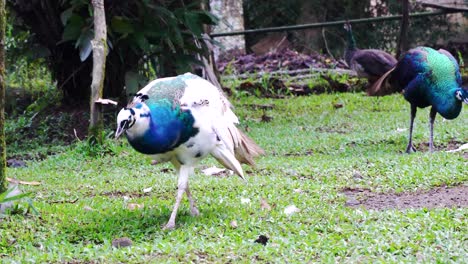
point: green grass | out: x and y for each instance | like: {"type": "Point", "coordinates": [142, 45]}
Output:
{"type": "Point", "coordinates": [313, 151]}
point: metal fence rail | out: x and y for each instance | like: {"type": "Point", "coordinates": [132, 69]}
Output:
{"type": "Point", "coordinates": [332, 23]}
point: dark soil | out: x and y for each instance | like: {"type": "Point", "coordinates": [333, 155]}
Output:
{"type": "Point", "coordinates": [439, 146]}
{"type": "Point", "coordinates": [439, 197]}
{"type": "Point", "coordinates": [285, 59]}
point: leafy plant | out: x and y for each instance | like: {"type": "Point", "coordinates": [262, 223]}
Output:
{"type": "Point", "coordinates": [11, 199]}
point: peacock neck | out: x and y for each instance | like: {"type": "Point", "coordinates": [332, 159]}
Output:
{"type": "Point", "coordinates": [350, 48]}
{"type": "Point", "coordinates": [161, 130]}
{"type": "Point", "coordinates": [446, 104]}
{"type": "Point", "coordinates": [351, 40]}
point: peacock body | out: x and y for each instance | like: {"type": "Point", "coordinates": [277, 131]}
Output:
{"type": "Point", "coordinates": [183, 119]}
{"type": "Point", "coordinates": [428, 77]}
{"type": "Point", "coordinates": [367, 63]}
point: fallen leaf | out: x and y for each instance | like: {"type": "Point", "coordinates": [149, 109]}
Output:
{"type": "Point", "coordinates": [121, 242]}
{"type": "Point", "coordinates": [245, 200]}
{"type": "Point", "coordinates": [462, 147]}
{"type": "Point", "coordinates": [262, 240]}
{"type": "Point", "coordinates": [357, 175]}
{"type": "Point", "coordinates": [134, 206]}
{"type": "Point", "coordinates": [233, 224]}
{"type": "Point", "coordinates": [87, 208]}
{"type": "Point", "coordinates": [214, 171]}
{"type": "Point", "coordinates": [291, 209]}
{"type": "Point", "coordinates": [15, 181]}
{"type": "Point", "coordinates": [338, 105]}
{"type": "Point", "coordinates": [264, 205]}
{"type": "Point", "coordinates": [105, 101]}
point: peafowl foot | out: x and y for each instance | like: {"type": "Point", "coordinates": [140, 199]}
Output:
{"type": "Point", "coordinates": [194, 211]}
{"type": "Point", "coordinates": [169, 226]}
{"type": "Point", "coordinates": [410, 149]}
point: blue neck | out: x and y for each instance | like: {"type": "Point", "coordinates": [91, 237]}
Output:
{"type": "Point", "coordinates": [168, 128]}
{"type": "Point", "coordinates": [447, 105]}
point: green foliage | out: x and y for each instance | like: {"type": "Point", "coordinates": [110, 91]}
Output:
{"type": "Point", "coordinates": [89, 148]}
{"type": "Point", "coordinates": [25, 64]}
{"type": "Point", "coordinates": [157, 34]}
{"type": "Point", "coordinates": [22, 203]}
{"type": "Point", "coordinates": [381, 35]}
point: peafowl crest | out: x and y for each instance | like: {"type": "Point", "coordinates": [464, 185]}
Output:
{"type": "Point", "coordinates": [181, 120]}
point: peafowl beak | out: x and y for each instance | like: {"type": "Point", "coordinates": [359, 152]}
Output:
{"type": "Point", "coordinates": [462, 95]}
{"type": "Point", "coordinates": [121, 128]}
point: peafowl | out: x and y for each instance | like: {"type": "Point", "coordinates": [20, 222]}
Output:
{"type": "Point", "coordinates": [182, 119]}
{"type": "Point", "coordinates": [427, 77]}
{"type": "Point", "coordinates": [367, 63]}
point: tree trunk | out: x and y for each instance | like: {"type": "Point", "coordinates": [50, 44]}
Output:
{"type": "Point", "coordinates": [99, 44]}
{"type": "Point", "coordinates": [231, 15]}
{"type": "Point", "coordinates": [309, 39]}
{"type": "Point", "coordinates": [3, 184]}
{"type": "Point", "coordinates": [403, 39]}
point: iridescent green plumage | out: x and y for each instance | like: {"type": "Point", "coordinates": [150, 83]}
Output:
{"type": "Point", "coordinates": [428, 77]}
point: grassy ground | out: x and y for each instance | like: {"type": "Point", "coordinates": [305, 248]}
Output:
{"type": "Point", "coordinates": [314, 151]}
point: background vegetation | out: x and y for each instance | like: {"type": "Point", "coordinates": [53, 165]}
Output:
{"type": "Point", "coordinates": [378, 35]}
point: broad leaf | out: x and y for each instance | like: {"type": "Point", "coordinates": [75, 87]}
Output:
{"type": "Point", "coordinates": [121, 25]}
{"type": "Point", "coordinates": [192, 22]}
{"type": "Point", "coordinates": [66, 15]}
{"type": "Point", "coordinates": [73, 28]}
{"type": "Point", "coordinates": [84, 44]}
{"type": "Point", "coordinates": [141, 41]}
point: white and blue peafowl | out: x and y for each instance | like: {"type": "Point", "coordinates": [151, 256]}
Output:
{"type": "Point", "coordinates": [182, 119]}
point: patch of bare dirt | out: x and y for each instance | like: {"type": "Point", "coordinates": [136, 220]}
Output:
{"type": "Point", "coordinates": [119, 194]}
{"type": "Point", "coordinates": [440, 146]}
{"type": "Point", "coordinates": [439, 197]}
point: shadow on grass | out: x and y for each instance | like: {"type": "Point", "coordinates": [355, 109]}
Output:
{"type": "Point", "coordinates": [97, 227]}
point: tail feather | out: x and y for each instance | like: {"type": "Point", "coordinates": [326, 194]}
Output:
{"type": "Point", "coordinates": [224, 156]}
{"type": "Point", "coordinates": [378, 88]}
{"type": "Point", "coordinates": [247, 149]}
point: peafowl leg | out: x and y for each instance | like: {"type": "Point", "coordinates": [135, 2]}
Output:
{"type": "Point", "coordinates": [193, 209]}
{"type": "Point", "coordinates": [182, 187]}
{"type": "Point", "coordinates": [432, 117]}
{"type": "Point", "coordinates": [410, 147]}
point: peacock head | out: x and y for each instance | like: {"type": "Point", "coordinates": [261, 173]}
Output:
{"type": "Point", "coordinates": [347, 26]}
{"type": "Point", "coordinates": [462, 95]}
{"type": "Point", "coordinates": [125, 120]}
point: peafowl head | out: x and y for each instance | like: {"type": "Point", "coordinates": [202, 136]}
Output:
{"type": "Point", "coordinates": [351, 44]}
{"type": "Point", "coordinates": [462, 95]}
{"type": "Point", "coordinates": [347, 26]}
{"type": "Point", "coordinates": [125, 120]}
{"type": "Point", "coordinates": [133, 120]}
